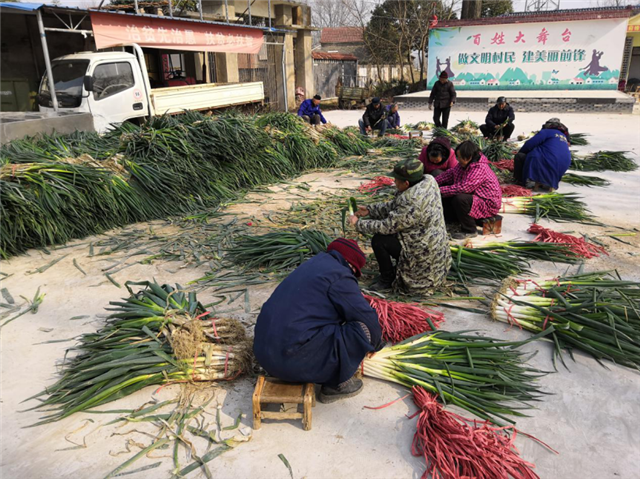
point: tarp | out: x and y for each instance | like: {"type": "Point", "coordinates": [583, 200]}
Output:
{"type": "Point", "coordinates": [27, 7]}
{"type": "Point", "coordinates": [112, 30]}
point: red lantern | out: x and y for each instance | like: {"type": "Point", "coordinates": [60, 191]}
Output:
{"type": "Point", "coordinates": [433, 21]}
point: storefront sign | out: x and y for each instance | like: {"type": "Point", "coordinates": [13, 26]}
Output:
{"type": "Point", "coordinates": [530, 56]}
{"type": "Point", "coordinates": [111, 30]}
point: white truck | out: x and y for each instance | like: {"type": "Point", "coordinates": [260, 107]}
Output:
{"type": "Point", "coordinates": [114, 87]}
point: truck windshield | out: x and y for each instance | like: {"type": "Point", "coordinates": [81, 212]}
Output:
{"type": "Point", "coordinates": [68, 76]}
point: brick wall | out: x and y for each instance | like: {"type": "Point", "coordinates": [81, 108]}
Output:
{"type": "Point", "coordinates": [560, 105]}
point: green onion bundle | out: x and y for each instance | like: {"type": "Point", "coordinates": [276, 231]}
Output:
{"type": "Point", "coordinates": [596, 313]}
{"type": "Point", "coordinates": [529, 250]}
{"type": "Point", "coordinates": [466, 128]}
{"type": "Point", "coordinates": [475, 265]}
{"type": "Point", "coordinates": [278, 250]}
{"type": "Point", "coordinates": [496, 150]}
{"type": "Point", "coordinates": [157, 336]}
{"type": "Point", "coordinates": [578, 139]}
{"type": "Point", "coordinates": [603, 161]}
{"type": "Point", "coordinates": [348, 143]}
{"type": "Point", "coordinates": [554, 206]}
{"type": "Point", "coordinates": [584, 180]}
{"type": "Point", "coordinates": [439, 132]}
{"type": "Point", "coordinates": [486, 376]}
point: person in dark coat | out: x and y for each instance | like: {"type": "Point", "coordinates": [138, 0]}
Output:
{"type": "Point", "coordinates": [438, 157]}
{"type": "Point", "coordinates": [310, 111]}
{"type": "Point", "coordinates": [393, 117]}
{"type": "Point", "coordinates": [374, 118]}
{"type": "Point", "coordinates": [443, 95]}
{"type": "Point", "coordinates": [317, 327]}
{"type": "Point", "coordinates": [545, 157]}
{"type": "Point", "coordinates": [499, 120]}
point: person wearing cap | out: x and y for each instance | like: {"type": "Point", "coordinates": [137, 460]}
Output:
{"type": "Point", "coordinates": [317, 327]}
{"type": "Point", "coordinates": [545, 157]}
{"type": "Point", "coordinates": [310, 111]}
{"type": "Point", "coordinates": [443, 95]}
{"type": "Point", "coordinates": [409, 229]}
{"type": "Point", "coordinates": [471, 191]}
{"type": "Point", "coordinates": [393, 117]}
{"type": "Point", "coordinates": [438, 156]}
{"type": "Point", "coordinates": [499, 120]}
{"type": "Point", "coordinates": [374, 118]}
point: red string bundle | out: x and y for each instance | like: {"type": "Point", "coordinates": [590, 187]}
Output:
{"type": "Point", "coordinates": [509, 191]}
{"type": "Point", "coordinates": [578, 246]}
{"type": "Point", "coordinates": [503, 164]}
{"type": "Point", "coordinates": [400, 321]}
{"type": "Point", "coordinates": [376, 184]}
{"type": "Point", "coordinates": [400, 137]}
{"type": "Point", "coordinates": [457, 447]}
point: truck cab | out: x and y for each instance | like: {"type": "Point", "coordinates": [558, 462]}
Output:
{"type": "Point", "coordinates": [109, 85]}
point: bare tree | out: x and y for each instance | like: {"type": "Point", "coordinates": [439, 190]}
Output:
{"type": "Point", "coordinates": [616, 3]}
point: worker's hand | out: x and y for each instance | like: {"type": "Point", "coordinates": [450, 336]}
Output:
{"type": "Point", "coordinates": [430, 106]}
{"type": "Point", "coordinates": [353, 219]}
{"type": "Point", "coordinates": [497, 126]}
{"type": "Point", "coordinates": [368, 128]}
{"type": "Point", "coordinates": [362, 211]}
{"type": "Point", "coordinates": [451, 105]}
{"type": "Point", "coordinates": [370, 355]}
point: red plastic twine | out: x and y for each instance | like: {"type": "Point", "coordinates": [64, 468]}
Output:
{"type": "Point", "coordinates": [457, 447]}
{"type": "Point", "coordinates": [400, 321]}
{"type": "Point", "coordinates": [376, 184]}
{"type": "Point", "coordinates": [578, 246]}
{"type": "Point", "coordinates": [503, 164]}
{"type": "Point", "coordinates": [509, 191]}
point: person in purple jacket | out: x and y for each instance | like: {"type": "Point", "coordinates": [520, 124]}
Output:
{"type": "Point", "coordinates": [393, 117]}
{"type": "Point", "coordinates": [470, 191]}
{"type": "Point", "coordinates": [310, 111]}
{"type": "Point", "coordinates": [438, 157]}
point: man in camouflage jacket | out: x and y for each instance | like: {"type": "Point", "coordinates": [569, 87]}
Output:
{"type": "Point", "coordinates": [410, 228]}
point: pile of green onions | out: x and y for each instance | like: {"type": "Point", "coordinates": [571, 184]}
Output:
{"type": "Point", "coordinates": [584, 180]}
{"type": "Point", "coordinates": [278, 250]}
{"type": "Point", "coordinates": [554, 206]}
{"type": "Point", "coordinates": [596, 313]}
{"type": "Point", "coordinates": [602, 161]}
{"type": "Point", "coordinates": [143, 344]}
{"type": "Point", "coordinates": [486, 376]}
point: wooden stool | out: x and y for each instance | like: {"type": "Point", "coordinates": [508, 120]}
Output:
{"type": "Point", "coordinates": [274, 391]}
{"type": "Point", "coordinates": [492, 226]}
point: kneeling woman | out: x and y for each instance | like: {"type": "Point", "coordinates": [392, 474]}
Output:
{"type": "Point", "coordinates": [470, 191]}
{"type": "Point", "coordinates": [544, 158]}
{"type": "Point", "coordinates": [438, 157]}
{"type": "Point", "coordinates": [317, 327]}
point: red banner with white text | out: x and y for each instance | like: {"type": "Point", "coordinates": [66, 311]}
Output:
{"type": "Point", "coordinates": [112, 30]}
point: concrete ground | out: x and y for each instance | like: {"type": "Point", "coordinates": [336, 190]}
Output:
{"type": "Point", "coordinates": [590, 418]}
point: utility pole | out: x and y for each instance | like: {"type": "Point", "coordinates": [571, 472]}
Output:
{"type": "Point", "coordinates": [471, 9]}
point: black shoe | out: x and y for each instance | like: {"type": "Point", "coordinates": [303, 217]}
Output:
{"type": "Point", "coordinates": [347, 389]}
{"type": "Point", "coordinates": [381, 285]}
{"type": "Point", "coordinates": [462, 235]}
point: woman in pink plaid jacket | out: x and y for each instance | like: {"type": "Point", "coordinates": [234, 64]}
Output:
{"type": "Point", "coordinates": [470, 191]}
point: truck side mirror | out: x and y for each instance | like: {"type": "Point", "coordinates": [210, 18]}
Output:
{"type": "Point", "coordinates": [88, 83]}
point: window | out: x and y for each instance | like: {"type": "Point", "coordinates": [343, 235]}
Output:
{"type": "Point", "coordinates": [67, 76]}
{"type": "Point", "coordinates": [111, 78]}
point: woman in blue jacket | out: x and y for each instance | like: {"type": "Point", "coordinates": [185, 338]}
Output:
{"type": "Point", "coordinates": [317, 327]}
{"type": "Point", "coordinates": [544, 158]}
